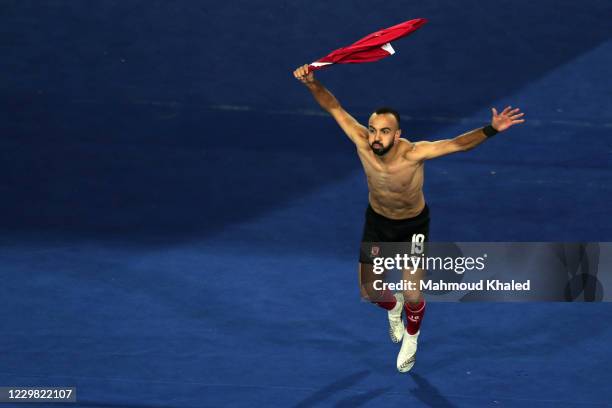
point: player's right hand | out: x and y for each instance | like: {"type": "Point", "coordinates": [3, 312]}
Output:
{"type": "Point", "coordinates": [303, 74]}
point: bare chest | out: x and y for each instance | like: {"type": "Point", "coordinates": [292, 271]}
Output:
{"type": "Point", "coordinates": [401, 176]}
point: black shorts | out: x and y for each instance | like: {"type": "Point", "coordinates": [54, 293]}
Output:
{"type": "Point", "coordinates": [378, 228]}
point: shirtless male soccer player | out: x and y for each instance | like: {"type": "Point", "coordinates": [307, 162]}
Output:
{"type": "Point", "coordinates": [397, 211]}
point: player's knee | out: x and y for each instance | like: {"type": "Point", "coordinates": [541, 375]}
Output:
{"type": "Point", "coordinates": [412, 296]}
{"type": "Point", "coordinates": [370, 293]}
{"type": "Point", "coordinates": [364, 293]}
{"type": "Point", "coordinates": [365, 282]}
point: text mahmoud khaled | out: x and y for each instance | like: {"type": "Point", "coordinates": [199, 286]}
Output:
{"type": "Point", "coordinates": [429, 285]}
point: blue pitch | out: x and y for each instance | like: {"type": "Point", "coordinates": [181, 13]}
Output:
{"type": "Point", "coordinates": [180, 226]}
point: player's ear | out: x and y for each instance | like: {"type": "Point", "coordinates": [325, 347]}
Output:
{"type": "Point", "coordinates": [398, 133]}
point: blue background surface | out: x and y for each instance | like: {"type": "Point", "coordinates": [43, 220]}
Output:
{"type": "Point", "coordinates": [179, 223]}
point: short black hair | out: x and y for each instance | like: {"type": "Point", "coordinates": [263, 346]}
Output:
{"type": "Point", "coordinates": [391, 111]}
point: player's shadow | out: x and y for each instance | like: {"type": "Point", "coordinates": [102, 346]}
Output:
{"type": "Point", "coordinates": [428, 394]}
{"type": "Point", "coordinates": [335, 387]}
{"type": "Point", "coordinates": [362, 398]}
{"type": "Point", "coordinates": [425, 392]}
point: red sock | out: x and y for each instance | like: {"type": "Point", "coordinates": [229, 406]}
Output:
{"type": "Point", "coordinates": [414, 316]}
{"type": "Point", "coordinates": [386, 300]}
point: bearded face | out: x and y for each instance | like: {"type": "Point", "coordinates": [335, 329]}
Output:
{"type": "Point", "coordinates": [383, 133]}
{"type": "Point", "coordinates": [379, 149]}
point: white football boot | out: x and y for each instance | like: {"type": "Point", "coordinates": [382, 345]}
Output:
{"type": "Point", "coordinates": [407, 354]}
{"type": "Point", "coordinates": [396, 324]}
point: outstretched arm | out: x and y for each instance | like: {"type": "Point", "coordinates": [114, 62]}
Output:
{"type": "Point", "coordinates": [353, 129]}
{"type": "Point", "coordinates": [499, 123]}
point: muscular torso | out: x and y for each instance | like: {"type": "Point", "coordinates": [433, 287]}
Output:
{"type": "Point", "coordinates": [396, 187]}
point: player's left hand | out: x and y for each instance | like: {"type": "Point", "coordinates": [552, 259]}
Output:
{"type": "Point", "coordinates": [508, 117]}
